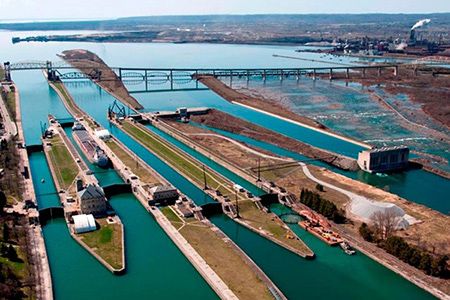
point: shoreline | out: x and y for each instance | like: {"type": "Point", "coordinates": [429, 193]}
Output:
{"type": "Point", "coordinates": [335, 135]}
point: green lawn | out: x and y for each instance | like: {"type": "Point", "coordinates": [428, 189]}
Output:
{"type": "Point", "coordinates": [11, 104]}
{"type": "Point", "coordinates": [62, 161]}
{"type": "Point", "coordinates": [106, 242]}
{"type": "Point", "coordinates": [173, 218]}
{"type": "Point", "coordinates": [132, 163]}
{"type": "Point", "coordinates": [68, 99]}
{"type": "Point", "coordinates": [185, 165]}
{"type": "Point", "coordinates": [248, 211]}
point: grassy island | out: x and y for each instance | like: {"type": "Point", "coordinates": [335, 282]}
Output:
{"type": "Point", "coordinates": [106, 242]}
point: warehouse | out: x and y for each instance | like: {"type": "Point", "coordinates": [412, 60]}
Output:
{"type": "Point", "coordinates": [84, 223]}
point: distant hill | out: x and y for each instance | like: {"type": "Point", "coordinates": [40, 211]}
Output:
{"type": "Point", "coordinates": [130, 23]}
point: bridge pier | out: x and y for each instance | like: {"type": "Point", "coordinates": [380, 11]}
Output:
{"type": "Point", "coordinates": [396, 71]}
{"type": "Point", "coordinates": [364, 72]}
{"type": "Point", "coordinates": [331, 74]}
{"type": "Point", "coordinates": [7, 67]}
{"type": "Point", "coordinates": [314, 74]}
{"type": "Point", "coordinates": [347, 73]}
{"type": "Point", "coordinates": [146, 80]}
{"type": "Point", "coordinates": [379, 72]}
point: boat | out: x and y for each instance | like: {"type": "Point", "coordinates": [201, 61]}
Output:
{"type": "Point", "coordinates": [319, 227]}
{"type": "Point", "coordinates": [90, 148]}
{"type": "Point", "coordinates": [347, 248]}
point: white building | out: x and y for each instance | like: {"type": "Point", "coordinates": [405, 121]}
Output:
{"type": "Point", "coordinates": [103, 134]}
{"type": "Point", "coordinates": [84, 223]}
{"type": "Point", "coordinates": [385, 159]}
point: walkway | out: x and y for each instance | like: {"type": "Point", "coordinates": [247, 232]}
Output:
{"type": "Point", "coordinates": [352, 196]}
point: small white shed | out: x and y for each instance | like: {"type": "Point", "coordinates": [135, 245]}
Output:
{"type": "Point", "coordinates": [84, 223]}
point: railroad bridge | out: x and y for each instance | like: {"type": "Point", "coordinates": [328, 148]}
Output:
{"type": "Point", "coordinates": [169, 79]}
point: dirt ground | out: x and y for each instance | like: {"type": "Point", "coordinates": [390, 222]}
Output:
{"type": "Point", "coordinates": [224, 121]}
{"type": "Point", "coordinates": [291, 178]}
{"type": "Point", "coordinates": [266, 104]}
{"type": "Point", "coordinates": [87, 62]}
{"type": "Point", "coordinates": [429, 234]}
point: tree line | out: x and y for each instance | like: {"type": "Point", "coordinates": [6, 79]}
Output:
{"type": "Point", "coordinates": [324, 207]}
{"type": "Point", "coordinates": [418, 258]}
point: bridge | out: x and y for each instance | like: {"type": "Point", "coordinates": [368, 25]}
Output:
{"type": "Point", "coordinates": [177, 76]}
{"type": "Point", "coordinates": [182, 79]}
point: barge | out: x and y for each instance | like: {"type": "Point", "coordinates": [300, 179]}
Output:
{"type": "Point", "coordinates": [320, 228]}
{"type": "Point", "coordinates": [90, 148]}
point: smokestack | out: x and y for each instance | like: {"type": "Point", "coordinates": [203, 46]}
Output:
{"type": "Point", "coordinates": [412, 36]}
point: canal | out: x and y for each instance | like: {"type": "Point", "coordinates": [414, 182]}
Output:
{"type": "Point", "coordinates": [284, 268]}
{"type": "Point", "coordinates": [152, 258]}
{"type": "Point", "coordinates": [153, 261]}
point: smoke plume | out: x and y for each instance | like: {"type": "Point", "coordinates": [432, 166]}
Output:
{"type": "Point", "coordinates": [420, 23]}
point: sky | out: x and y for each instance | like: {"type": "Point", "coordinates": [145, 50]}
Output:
{"type": "Point", "coordinates": [105, 9]}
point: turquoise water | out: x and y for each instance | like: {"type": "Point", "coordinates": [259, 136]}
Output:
{"type": "Point", "coordinates": [43, 182]}
{"type": "Point", "coordinates": [288, 271]}
{"type": "Point", "coordinates": [352, 111]}
{"type": "Point", "coordinates": [153, 261]}
{"type": "Point", "coordinates": [156, 260]}
{"type": "Point", "coordinates": [415, 185]}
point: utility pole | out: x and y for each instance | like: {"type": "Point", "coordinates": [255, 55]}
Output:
{"type": "Point", "coordinates": [259, 170]}
{"type": "Point", "coordinates": [237, 203]}
{"type": "Point", "coordinates": [204, 178]}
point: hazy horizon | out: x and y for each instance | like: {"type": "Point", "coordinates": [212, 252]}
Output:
{"type": "Point", "coordinates": [46, 10]}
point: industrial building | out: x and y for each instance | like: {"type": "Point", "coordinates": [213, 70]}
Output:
{"type": "Point", "coordinates": [92, 200]}
{"type": "Point", "coordinates": [163, 195]}
{"type": "Point", "coordinates": [385, 159]}
{"type": "Point", "coordinates": [84, 223]}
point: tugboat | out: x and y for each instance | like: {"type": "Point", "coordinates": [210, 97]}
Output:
{"type": "Point", "coordinates": [347, 248]}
